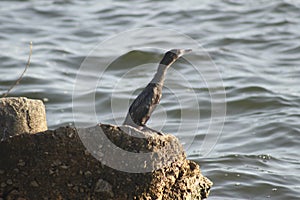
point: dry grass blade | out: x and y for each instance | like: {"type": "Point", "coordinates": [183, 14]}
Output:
{"type": "Point", "coordinates": [20, 78]}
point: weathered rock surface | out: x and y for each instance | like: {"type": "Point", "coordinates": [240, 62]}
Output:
{"type": "Point", "coordinates": [21, 115]}
{"type": "Point", "coordinates": [56, 165]}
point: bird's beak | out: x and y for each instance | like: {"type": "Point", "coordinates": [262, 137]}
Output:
{"type": "Point", "coordinates": [184, 51]}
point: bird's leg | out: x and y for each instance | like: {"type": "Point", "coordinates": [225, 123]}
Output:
{"type": "Point", "coordinates": [146, 128]}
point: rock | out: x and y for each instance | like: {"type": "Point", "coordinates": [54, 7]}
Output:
{"type": "Point", "coordinates": [21, 115]}
{"type": "Point", "coordinates": [103, 186]}
{"type": "Point", "coordinates": [167, 175]}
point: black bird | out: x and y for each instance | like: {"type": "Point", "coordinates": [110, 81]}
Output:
{"type": "Point", "coordinates": [146, 102]}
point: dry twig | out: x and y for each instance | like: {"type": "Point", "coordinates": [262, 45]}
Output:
{"type": "Point", "coordinates": [20, 78]}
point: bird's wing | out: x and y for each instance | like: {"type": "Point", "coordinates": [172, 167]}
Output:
{"type": "Point", "coordinates": [143, 106]}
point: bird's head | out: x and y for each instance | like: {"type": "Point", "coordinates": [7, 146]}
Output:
{"type": "Point", "coordinates": [172, 55]}
{"type": "Point", "coordinates": [179, 52]}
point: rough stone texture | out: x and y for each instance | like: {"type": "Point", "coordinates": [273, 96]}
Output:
{"type": "Point", "coordinates": [21, 115]}
{"type": "Point", "coordinates": [56, 165]}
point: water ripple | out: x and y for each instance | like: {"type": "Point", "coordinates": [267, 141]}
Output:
{"type": "Point", "coordinates": [255, 44]}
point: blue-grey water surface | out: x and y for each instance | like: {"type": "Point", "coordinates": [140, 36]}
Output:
{"type": "Point", "coordinates": [255, 45]}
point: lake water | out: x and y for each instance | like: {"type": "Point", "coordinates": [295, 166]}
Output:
{"type": "Point", "coordinates": [255, 46]}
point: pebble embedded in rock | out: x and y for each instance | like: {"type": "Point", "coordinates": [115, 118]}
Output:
{"type": "Point", "coordinates": [76, 188]}
{"type": "Point", "coordinates": [56, 163]}
{"type": "Point", "coordinates": [88, 173]}
{"type": "Point", "coordinates": [3, 185]}
{"type": "Point", "coordinates": [21, 163]}
{"type": "Point", "coordinates": [103, 186]}
{"type": "Point", "coordinates": [9, 182]}
{"type": "Point", "coordinates": [70, 185]}
{"type": "Point", "coordinates": [64, 167]}
{"type": "Point", "coordinates": [34, 184]}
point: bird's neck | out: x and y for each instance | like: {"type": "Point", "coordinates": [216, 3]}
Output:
{"type": "Point", "coordinates": [159, 77]}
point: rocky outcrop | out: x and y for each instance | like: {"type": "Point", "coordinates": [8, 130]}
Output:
{"type": "Point", "coordinates": [56, 165]}
{"type": "Point", "coordinates": [21, 115]}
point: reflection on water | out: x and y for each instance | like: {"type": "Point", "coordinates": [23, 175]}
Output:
{"type": "Point", "coordinates": [255, 45]}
